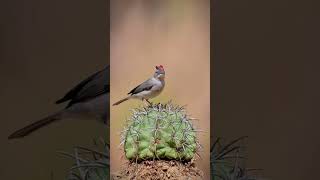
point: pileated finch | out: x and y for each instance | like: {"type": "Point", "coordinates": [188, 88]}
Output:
{"type": "Point", "coordinates": [89, 100]}
{"type": "Point", "coordinates": [149, 88]}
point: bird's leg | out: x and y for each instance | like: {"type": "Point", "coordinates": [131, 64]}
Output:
{"type": "Point", "coordinates": [144, 102]}
{"type": "Point", "coordinates": [150, 103]}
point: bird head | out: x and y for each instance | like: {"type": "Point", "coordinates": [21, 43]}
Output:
{"type": "Point", "coordinates": [159, 72]}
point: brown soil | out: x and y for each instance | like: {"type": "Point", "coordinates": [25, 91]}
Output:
{"type": "Point", "coordinates": [158, 170]}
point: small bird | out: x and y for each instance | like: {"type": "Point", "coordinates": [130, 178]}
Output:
{"type": "Point", "coordinates": [89, 99]}
{"type": "Point", "coordinates": [148, 89]}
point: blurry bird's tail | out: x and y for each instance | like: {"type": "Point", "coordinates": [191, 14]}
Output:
{"type": "Point", "coordinates": [121, 101]}
{"type": "Point", "coordinates": [35, 126]}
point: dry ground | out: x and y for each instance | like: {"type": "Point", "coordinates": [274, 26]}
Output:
{"type": "Point", "coordinates": [158, 170]}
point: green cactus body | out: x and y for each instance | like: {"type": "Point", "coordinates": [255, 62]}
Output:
{"type": "Point", "coordinates": [160, 132]}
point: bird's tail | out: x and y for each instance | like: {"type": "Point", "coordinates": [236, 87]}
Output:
{"type": "Point", "coordinates": [36, 125]}
{"type": "Point", "coordinates": [121, 101]}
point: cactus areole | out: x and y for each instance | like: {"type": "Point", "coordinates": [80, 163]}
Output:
{"type": "Point", "coordinates": [161, 131]}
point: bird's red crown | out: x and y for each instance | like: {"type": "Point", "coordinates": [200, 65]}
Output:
{"type": "Point", "coordinates": [160, 67]}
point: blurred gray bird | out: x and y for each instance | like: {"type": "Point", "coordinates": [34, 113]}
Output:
{"type": "Point", "coordinates": [90, 99]}
{"type": "Point", "coordinates": [148, 89]}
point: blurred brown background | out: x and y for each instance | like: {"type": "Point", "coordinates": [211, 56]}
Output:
{"type": "Point", "coordinates": [175, 34]}
{"type": "Point", "coordinates": [266, 83]}
{"type": "Point", "coordinates": [46, 47]}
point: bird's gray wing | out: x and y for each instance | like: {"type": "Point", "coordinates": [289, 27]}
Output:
{"type": "Point", "coordinates": [94, 85]}
{"type": "Point", "coordinates": [145, 86]}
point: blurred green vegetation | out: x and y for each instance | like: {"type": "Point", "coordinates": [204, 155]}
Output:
{"type": "Point", "coordinates": [228, 161]}
{"type": "Point", "coordinates": [90, 164]}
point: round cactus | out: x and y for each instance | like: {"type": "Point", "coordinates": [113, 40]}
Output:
{"type": "Point", "coordinates": [161, 131]}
